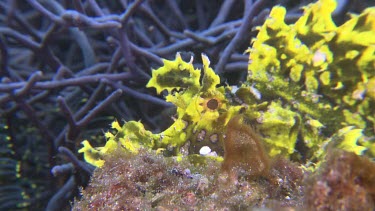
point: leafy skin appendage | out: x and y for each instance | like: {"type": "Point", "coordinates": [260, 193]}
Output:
{"type": "Point", "coordinates": [244, 150]}
{"type": "Point", "coordinates": [317, 80]}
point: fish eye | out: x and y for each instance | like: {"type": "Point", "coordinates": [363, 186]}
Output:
{"type": "Point", "coordinates": [212, 104]}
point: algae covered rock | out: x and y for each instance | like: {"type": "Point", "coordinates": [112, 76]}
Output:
{"type": "Point", "coordinates": [346, 181]}
{"type": "Point", "coordinates": [148, 181]}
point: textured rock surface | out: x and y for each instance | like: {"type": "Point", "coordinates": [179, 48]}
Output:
{"type": "Point", "coordinates": [345, 182]}
{"type": "Point", "coordinates": [152, 182]}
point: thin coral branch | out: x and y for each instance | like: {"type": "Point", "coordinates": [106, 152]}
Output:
{"type": "Point", "coordinates": [78, 5]}
{"type": "Point", "coordinates": [79, 81]}
{"type": "Point", "coordinates": [71, 131]}
{"type": "Point", "coordinates": [126, 51]}
{"type": "Point", "coordinates": [130, 11]}
{"type": "Point", "coordinates": [114, 96]}
{"type": "Point", "coordinates": [74, 18]}
{"type": "Point", "coordinates": [201, 14]}
{"type": "Point", "coordinates": [158, 23]}
{"type": "Point", "coordinates": [23, 39]}
{"type": "Point", "coordinates": [19, 93]}
{"type": "Point", "coordinates": [63, 169]}
{"type": "Point", "coordinates": [76, 126]}
{"type": "Point", "coordinates": [116, 56]}
{"type": "Point", "coordinates": [4, 69]}
{"type": "Point", "coordinates": [96, 8]}
{"type": "Point", "coordinates": [142, 37]}
{"type": "Point", "coordinates": [29, 84]}
{"type": "Point", "coordinates": [62, 196]}
{"type": "Point", "coordinates": [74, 160]}
{"type": "Point", "coordinates": [236, 67]}
{"type": "Point", "coordinates": [147, 54]}
{"type": "Point", "coordinates": [67, 112]}
{"type": "Point", "coordinates": [138, 95]}
{"type": "Point", "coordinates": [172, 4]}
{"type": "Point", "coordinates": [94, 69]}
{"type": "Point", "coordinates": [199, 38]}
{"type": "Point", "coordinates": [17, 21]}
{"type": "Point", "coordinates": [90, 102]}
{"type": "Point", "coordinates": [223, 13]}
{"type": "Point", "coordinates": [189, 42]}
{"type": "Point", "coordinates": [31, 101]}
{"type": "Point", "coordinates": [239, 57]}
{"type": "Point", "coordinates": [241, 34]}
{"type": "Point", "coordinates": [86, 48]}
{"type": "Point", "coordinates": [45, 12]}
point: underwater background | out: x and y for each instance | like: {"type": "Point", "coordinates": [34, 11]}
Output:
{"type": "Point", "coordinates": [69, 69]}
